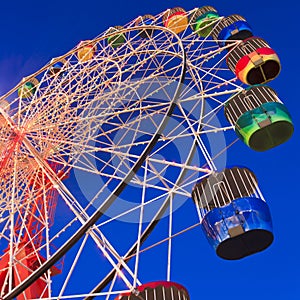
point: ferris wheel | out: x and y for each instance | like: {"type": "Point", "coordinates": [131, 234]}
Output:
{"type": "Point", "coordinates": [104, 146]}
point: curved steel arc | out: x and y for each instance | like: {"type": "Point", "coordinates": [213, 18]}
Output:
{"type": "Point", "coordinates": [132, 251]}
{"type": "Point", "coordinates": [109, 201]}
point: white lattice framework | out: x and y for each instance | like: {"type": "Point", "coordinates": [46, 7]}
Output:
{"type": "Point", "coordinates": [146, 117]}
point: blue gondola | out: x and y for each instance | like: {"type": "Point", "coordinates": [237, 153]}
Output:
{"type": "Point", "coordinates": [235, 219]}
{"type": "Point", "coordinates": [143, 21]}
{"type": "Point", "coordinates": [234, 27]}
{"type": "Point", "coordinates": [57, 68]}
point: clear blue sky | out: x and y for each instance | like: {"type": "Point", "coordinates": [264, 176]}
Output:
{"type": "Point", "coordinates": [32, 32]}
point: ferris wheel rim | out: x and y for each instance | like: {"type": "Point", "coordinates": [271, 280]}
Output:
{"type": "Point", "coordinates": [148, 156]}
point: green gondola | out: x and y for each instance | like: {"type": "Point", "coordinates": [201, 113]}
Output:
{"type": "Point", "coordinates": [260, 120]}
{"type": "Point", "coordinates": [28, 89]}
{"type": "Point", "coordinates": [117, 39]}
{"type": "Point", "coordinates": [202, 20]}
